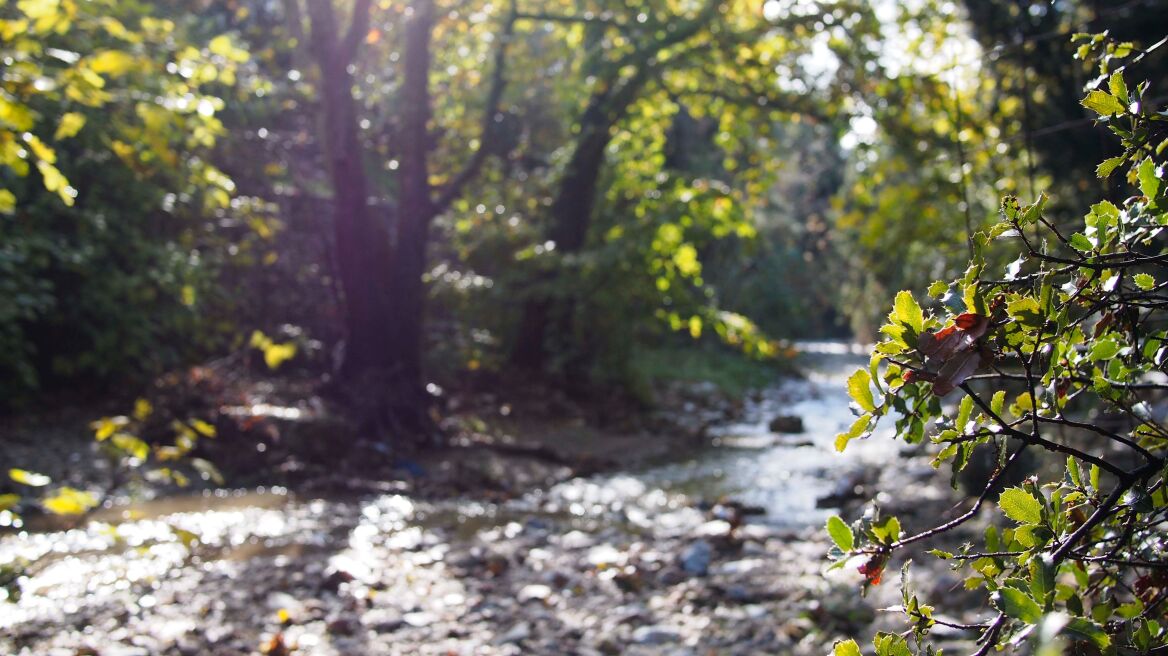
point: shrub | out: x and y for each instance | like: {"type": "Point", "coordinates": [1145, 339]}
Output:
{"type": "Point", "coordinates": [1062, 354]}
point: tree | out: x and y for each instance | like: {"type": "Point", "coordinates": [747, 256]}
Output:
{"type": "Point", "coordinates": [107, 114]}
{"type": "Point", "coordinates": [382, 259]}
{"type": "Point", "coordinates": [1075, 325]}
{"type": "Point", "coordinates": [720, 59]}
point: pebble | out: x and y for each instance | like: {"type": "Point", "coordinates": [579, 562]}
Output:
{"type": "Point", "coordinates": [534, 592]}
{"type": "Point", "coordinates": [656, 635]}
{"type": "Point", "coordinates": [695, 559]}
{"type": "Point", "coordinates": [517, 633]}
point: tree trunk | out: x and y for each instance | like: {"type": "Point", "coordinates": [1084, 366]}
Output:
{"type": "Point", "coordinates": [362, 244]}
{"type": "Point", "coordinates": [416, 211]}
{"type": "Point", "coordinates": [571, 214]}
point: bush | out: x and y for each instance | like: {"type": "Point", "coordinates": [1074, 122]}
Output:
{"type": "Point", "coordinates": [1062, 354]}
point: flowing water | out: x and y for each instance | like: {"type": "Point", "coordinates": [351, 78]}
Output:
{"type": "Point", "coordinates": [222, 552]}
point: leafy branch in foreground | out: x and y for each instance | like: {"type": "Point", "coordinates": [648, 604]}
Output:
{"type": "Point", "coordinates": [1063, 355]}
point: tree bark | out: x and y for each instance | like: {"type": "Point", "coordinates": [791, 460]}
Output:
{"type": "Point", "coordinates": [571, 214]}
{"type": "Point", "coordinates": [416, 208]}
{"type": "Point", "coordinates": [363, 248]}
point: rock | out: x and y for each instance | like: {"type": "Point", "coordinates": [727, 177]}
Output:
{"type": "Point", "coordinates": [419, 619]}
{"type": "Point", "coordinates": [534, 592]}
{"type": "Point", "coordinates": [517, 633]}
{"type": "Point", "coordinates": [342, 626]}
{"type": "Point", "coordinates": [736, 567]}
{"type": "Point", "coordinates": [383, 620]}
{"type": "Point", "coordinates": [656, 635]}
{"type": "Point", "coordinates": [786, 424]}
{"type": "Point", "coordinates": [695, 559]}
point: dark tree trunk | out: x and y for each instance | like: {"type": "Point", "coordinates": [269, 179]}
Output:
{"type": "Point", "coordinates": [362, 244]}
{"type": "Point", "coordinates": [571, 215]}
{"type": "Point", "coordinates": [416, 210]}
{"type": "Point", "coordinates": [381, 274]}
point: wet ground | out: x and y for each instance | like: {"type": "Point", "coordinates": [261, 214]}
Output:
{"type": "Point", "coordinates": [636, 562]}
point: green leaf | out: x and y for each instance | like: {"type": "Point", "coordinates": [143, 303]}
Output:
{"type": "Point", "coordinates": [1105, 349]}
{"type": "Point", "coordinates": [1020, 506]}
{"type": "Point", "coordinates": [857, 429]}
{"type": "Point", "coordinates": [28, 478]}
{"type": "Point", "coordinates": [1144, 281]}
{"type": "Point", "coordinates": [1149, 181]}
{"type": "Point", "coordinates": [846, 648]}
{"type": "Point", "coordinates": [887, 531]}
{"type": "Point", "coordinates": [938, 289]}
{"type": "Point", "coordinates": [840, 533]}
{"type": "Point", "coordinates": [7, 202]}
{"type": "Point", "coordinates": [1080, 242]}
{"type": "Point", "coordinates": [69, 501]}
{"type": "Point", "coordinates": [888, 644]}
{"type": "Point", "coordinates": [1118, 86]}
{"type": "Point", "coordinates": [1091, 631]}
{"type": "Point", "coordinates": [963, 412]}
{"type": "Point", "coordinates": [1033, 212]}
{"type": "Point", "coordinates": [1018, 605]}
{"type": "Point", "coordinates": [908, 312]}
{"type": "Point", "coordinates": [996, 403]}
{"type": "Point", "coordinates": [1103, 103]}
{"type": "Point", "coordinates": [1107, 166]}
{"type": "Point", "coordinates": [859, 388]}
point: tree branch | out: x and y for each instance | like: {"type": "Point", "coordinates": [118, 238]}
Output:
{"type": "Point", "coordinates": [358, 27]}
{"type": "Point", "coordinates": [453, 189]}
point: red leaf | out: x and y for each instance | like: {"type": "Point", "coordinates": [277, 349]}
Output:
{"type": "Point", "coordinates": [974, 325]}
{"type": "Point", "coordinates": [873, 569]}
{"type": "Point", "coordinates": [940, 344]}
{"type": "Point", "coordinates": [955, 371]}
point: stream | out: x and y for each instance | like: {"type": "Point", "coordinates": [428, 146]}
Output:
{"type": "Point", "coordinates": [625, 562]}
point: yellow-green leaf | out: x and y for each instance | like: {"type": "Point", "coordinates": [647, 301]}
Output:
{"type": "Point", "coordinates": [1144, 281]}
{"type": "Point", "coordinates": [857, 429]}
{"type": "Point", "coordinates": [840, 533]}
{"type": "Point", "coordinates": [69, 125]}
{"type": "Point", "coordinates": [106, 426]}
{"type": "Point", "coordinates": [131, 445]}
{"type": "Point", "coordinates": [55, 181]}
{"type": "Point", "coordinates": [142, 409]}
{"type": "Point", "coordinates": [203, 428]}
{"type": "Point", "coordinates": [1108, 165]}
{"type": "Point", "coordinates": [908, 312]}
{"type": "Point", "coordinates": [111, 62]}
{"type": "Point", "coordinates": [69, 501]}
{"type": "Point", "coordinates": [277, 354]}
{"type": "Point", "coordinates": [1020, 506]}
{"type": "Point", "coordinates": [39, 149]}
{"type": "Point", "coordinates": [1103, 103]}
{"type": "Point", "coordinates": [846, 648]}
{"type": "Point", "coordinates": [8, 501]}
{"type": "Point", "coordinates": [31, 479]}
{"type": "Point", "coordinates": [7, 202]}
{"type": "Point", "coordinates": [859, 388]}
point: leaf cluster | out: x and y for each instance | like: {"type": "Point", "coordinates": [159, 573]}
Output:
{"type": "Point", "coordinates": [1062, 354]}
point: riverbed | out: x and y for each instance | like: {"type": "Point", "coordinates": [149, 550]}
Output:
{"type": "Point", "coordinates": [719, 553]}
